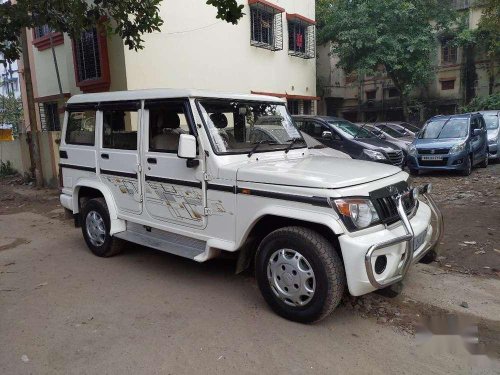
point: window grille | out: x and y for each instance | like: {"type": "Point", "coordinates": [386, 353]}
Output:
{"type": "Point", "coordinates": [88, 57]}
{"type": "Point", "coordinates": [293, 107]}
{"type": "Point", "coordinates": [448, 85]}
{"type": "Point", "coordinates": [41, 31]}
{"type": "Point", "coordinates": [49, 116]}
{"type": "Point", "coordinates": [301, 39]}
{"type": "Point", "coordinates": [266, 27]}
{"type": "Point", "coordinates": [461, 4]}
{"type": "Point", "coordinates": [448, 53]}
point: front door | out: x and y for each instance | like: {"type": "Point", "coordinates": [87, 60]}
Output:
{"type": "Point", "coordinates": [173, 188]}
{"type": "Point", "coordinates": [118, 156]}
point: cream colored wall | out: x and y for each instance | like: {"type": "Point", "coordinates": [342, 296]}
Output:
{"type": "Point", "coordinates": [46, 74]}
{"type": "Point", "coordinates": [196, 50]}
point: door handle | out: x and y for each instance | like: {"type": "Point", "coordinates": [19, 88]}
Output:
{"type": "Point", "coordinates": [152, 160]}
{"type": "Point", "coordinates": [105, 156]}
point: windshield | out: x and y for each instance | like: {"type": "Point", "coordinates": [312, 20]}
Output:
{"type": "Point", "coordinates": [235, 126]}
{"type": "Point", "coordinates": [445, 128]}
{"type": "Point", "coordinates": [351, 130]}
{"type": "Point", "coordinates": [491, 121]}
{"type": "Point", "coordinates": [391, 131]}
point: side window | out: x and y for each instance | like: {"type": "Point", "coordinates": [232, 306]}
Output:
{"type": "Point", "coordinates": [81, 128]}
{"type": "Point", "coordinates": [317, 129]}
{"type": "Point", "coordinates": [167, 121]}
{"type": "Point", "coordinates": [474, 124]}
{"type": "Point", "coordinates": [120, 129]}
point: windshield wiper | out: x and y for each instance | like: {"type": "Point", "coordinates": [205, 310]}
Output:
{"type": "Point", "coordinates": [292, 142]}
{"type": "Point", "coordinates": [359, 130]}
{"type": "Point", "coordinates": [257, 145]}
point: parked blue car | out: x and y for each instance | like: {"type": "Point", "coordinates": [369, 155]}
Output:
{"type": "Point", "coordinates": [455, 142]}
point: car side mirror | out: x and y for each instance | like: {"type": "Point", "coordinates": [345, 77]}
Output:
{"type": "Point", "coordinates": [327, 135]}
{"type": "Point", "coordinates": [187, 146]}
{"type": "Point", "coordinates": [476, 132]}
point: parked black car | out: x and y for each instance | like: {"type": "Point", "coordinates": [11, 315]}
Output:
{"type": "Point", "coordinates": [354, 140]}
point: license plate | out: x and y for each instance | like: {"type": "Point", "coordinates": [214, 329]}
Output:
{"type": "Point", "coordinates": [419, 240]}
{"type": "Point", "coordinates": [432, 157]}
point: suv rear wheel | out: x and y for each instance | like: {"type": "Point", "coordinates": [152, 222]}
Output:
{"type": "Point", "coordinates": [95, 228]}
{"type": "Point", "coordinates": [299, 274]}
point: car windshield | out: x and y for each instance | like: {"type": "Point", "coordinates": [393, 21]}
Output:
{"type": "Point", "coordinates": [392, 131]}
{"type": "Point", "coordinates": [445, 128]}
{"type": "Point", "coordinates": [351, 130]}
{"type": "Point", "coordinates": [491, 121]}
{"type": "Point", "coordinates": [236, 127]}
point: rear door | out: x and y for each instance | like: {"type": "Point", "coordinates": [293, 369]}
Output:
{"type": "Point", "coordinates": [475, 140]}
{"type": "Point", "coordinates": [173, 188]}
{"type": "Point", "coordinates": [118, 155]}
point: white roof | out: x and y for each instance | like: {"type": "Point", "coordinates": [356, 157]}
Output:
{"type": "Point", "coordinates": [165, 94]}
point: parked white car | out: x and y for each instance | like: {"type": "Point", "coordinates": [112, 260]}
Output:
{"type": "Point", "coordinates": [176, 170]}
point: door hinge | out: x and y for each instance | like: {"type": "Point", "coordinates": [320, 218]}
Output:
{"type": "Point", "coordinates": [207, 211]}
{"type": "Point", "coordinates": [206, 176]}
{"type": "Point", "coordinates": [139, 168]}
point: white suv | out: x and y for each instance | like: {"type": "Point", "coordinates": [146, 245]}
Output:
{"type": "Point", "coordinates": [177, 170]}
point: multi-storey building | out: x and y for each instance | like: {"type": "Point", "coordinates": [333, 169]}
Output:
{"type": "Point", "coordinates": [271, 50]}
{"type": "Point", "coordinates": [457, 77]}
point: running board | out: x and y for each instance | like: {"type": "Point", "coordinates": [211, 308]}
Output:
{"type": "Point", "coordinates": [161, 240]}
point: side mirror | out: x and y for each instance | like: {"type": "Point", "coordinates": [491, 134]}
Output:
{"type": "Point", "coordinates": [187, 146]}
{"type": "Point", "coordinates": [327, 135]}
{"type": "Point", "coordinates": [476, 132]}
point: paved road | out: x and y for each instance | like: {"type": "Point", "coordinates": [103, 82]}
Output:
{"type": "Point", "coordinates": [65, 311]}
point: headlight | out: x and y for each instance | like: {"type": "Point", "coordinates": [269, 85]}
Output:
{"type": "Point", "coordinates": [356, 213]}
{"type": "Point", "coordinates": [457, 148]}
{"type": "Point", "coordinates": [375, 155]}
{"type": "Point", "coordinates": [412, 150]}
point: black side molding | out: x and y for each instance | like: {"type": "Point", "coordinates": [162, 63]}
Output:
{"type": "Point", "coordinates": [196, 184]}
{"type": "Point", "coordinates": [118, 173]}
{"type": "Point", "coordinates": [78, 167]}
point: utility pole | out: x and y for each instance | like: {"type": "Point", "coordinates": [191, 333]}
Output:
{"type": "Point", "coordinates": [36, 162]}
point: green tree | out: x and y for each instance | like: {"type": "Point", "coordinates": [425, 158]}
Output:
{"type": "Point", "coordinates": [11, 112]}
{"type": "Point", "coordinates": [130, 19]}
{"type": "Point", "coordinates": [398, 35]}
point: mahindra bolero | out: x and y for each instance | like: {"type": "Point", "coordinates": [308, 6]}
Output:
{"type": "Point", "coordinates": [177, 171]}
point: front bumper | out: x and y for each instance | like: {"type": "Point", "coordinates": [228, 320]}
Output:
{"type": "Point", "coordinates": [456, 161]}
{"type": "Point", "coordinates": [493, 151]}
{"type": "Point", "coordinates": [396, 243]}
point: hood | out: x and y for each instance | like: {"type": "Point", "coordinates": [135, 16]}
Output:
{"type": "Point", "coordinates": [315, 172]}
{"type": "Point", "coordinates": [437, 143]}
{"type": "Point", "coordinates": [376, 144]}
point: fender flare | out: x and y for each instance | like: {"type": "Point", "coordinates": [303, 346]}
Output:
{"type": "Point", "coordinates": [322, 218]}
{"type": "Point", "coordinates": [117, 225]}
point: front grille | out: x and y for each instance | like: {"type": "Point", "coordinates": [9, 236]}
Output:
{"type": "Point", "coordinates": [385, 201]}
{"type": "Point", "coordinates": [433, 163]}
{"type": "Point", "coordinates": [396, 157]}
{"type": "Point", "coordinates": [433, 151]}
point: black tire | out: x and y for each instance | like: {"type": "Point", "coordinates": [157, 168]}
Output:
{"type": "Point", "coordinates": [111, 245]}
{"type": "Point", "coordinates": [326, 265]}
{"type": "Point", "coordinates": [484, 163]}
{"type": "Point", "coordinates": [414, 172]}
{"type": "Point", "coordinates": [468, 167]}
{"type": "Point", "coordinates": [430, 257]}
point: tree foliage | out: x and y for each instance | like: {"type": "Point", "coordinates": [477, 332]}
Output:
{"type": "Point", "coordinates": [396, 35]}
{"type": "Point", "coordinates": [483, 103]}
{"type": "Point", "coordinates": [11, 111]}
{"type": "Point", "coordinates": [129, 19]}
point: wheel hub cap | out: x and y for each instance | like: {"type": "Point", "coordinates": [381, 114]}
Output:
{"type": "Point", "coordinates": [96, 229]}
{"type": "Point", "coordinates": [291, 277]}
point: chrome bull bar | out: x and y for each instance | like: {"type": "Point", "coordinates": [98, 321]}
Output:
{"type": "Point", "coordinates": [411, 255]}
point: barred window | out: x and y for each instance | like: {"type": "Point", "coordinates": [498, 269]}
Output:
{"type": "Point", "coordinates": [301, 38]}
{"type": "Point", "coordinates": [49, 116]}
{"type": "Point", "coordinates": [88, 58]}
{"type": "Point", "coordinates": [266, 26]}
{"type": "Point", "coordinates": [448, 84]}
{"type": "Point", "coordinates": [41, 31]}
{"type": "Point", "coordinates": [448, 53]}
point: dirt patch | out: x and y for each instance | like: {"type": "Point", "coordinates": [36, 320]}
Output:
{"type": "Point", "coordinates": [17, 196]}
{"type": "Point", "coordinates": [471, 209]}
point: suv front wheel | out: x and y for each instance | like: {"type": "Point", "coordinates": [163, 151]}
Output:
{"type": "Point", "coordinates": [299, 274]}
{"type": "Point", "coordinates": [95, 228]}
